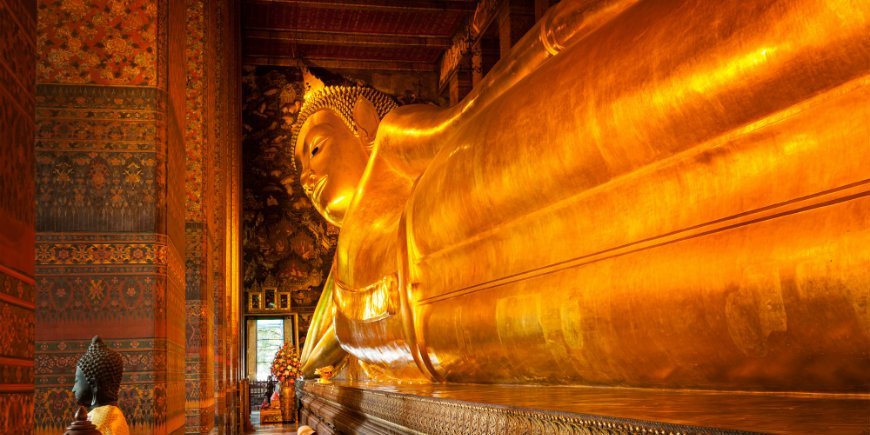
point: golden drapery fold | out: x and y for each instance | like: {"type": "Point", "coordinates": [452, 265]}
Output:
{"type": "Point", "coordinates": [109, 420]}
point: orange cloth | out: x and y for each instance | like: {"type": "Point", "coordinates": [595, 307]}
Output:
{"type": "Point", "coordinates": [109, 420]}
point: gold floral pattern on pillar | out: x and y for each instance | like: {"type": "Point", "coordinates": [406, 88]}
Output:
{"type": "Point", "coordinates": [101, 41]}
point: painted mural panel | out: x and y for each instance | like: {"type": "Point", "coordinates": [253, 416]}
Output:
{"type": "Point", "coordinates": [285, 239]}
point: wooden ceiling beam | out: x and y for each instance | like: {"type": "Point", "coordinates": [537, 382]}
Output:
{"type": "Point", "coordinates": [290, 31]}
{"type": "Point", "coordinates": [347, 39]}
{"type": "Point", "coordinates": [338, 64]}
{"type": "Point", "coordinates": [382, 5]}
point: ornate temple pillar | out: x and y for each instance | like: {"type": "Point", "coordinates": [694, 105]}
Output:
{"type": "Point", "coordinates": [494, 28]}
{"type": "Point", "coordinates": [226, 211]}
{"type": "Point", "coordinates": [211, 144]}
{"type": "Point", "coordinates": [17, 65]}
{"type": "Point", "coordinates": [199, 217]}
{"type": "Point", "coordinates": [110, 167]}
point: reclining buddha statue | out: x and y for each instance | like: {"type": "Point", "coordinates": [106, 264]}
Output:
{"type": "Point", "coordinates": [646, 193]}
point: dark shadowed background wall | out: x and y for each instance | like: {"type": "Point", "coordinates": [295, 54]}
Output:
{"type": "Point", "coordinates": [285, 239]}
{"type": "Point", "coordinates": [17, 77]}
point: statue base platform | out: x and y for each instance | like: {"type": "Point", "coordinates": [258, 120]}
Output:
{"type": "Point", "coordinates": [271, 416]}
{"type": "Point", "coordinates": [368, 407]}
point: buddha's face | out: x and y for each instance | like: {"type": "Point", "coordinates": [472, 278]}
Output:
{"type": "Point", "coordinates": [82, 390]}
{"type": "Point", "coordinates": [331, 160]}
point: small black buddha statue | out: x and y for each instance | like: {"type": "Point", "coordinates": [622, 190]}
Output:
{"type": "Point", "coordinates": [98, 379]}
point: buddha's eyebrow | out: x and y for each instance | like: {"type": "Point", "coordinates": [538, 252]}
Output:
{"type": "Point", "coordinates": [316, 133]}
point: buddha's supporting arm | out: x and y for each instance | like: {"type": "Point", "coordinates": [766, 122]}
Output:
{"type": "Point", "coordinates": [321, 345]}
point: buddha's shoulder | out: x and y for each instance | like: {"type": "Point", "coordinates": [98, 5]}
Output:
{"type": "Point", "coordinates": [109, 420]}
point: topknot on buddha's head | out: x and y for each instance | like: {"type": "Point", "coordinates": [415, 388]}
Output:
{"type": "Point", "coordinates": [102, 368]}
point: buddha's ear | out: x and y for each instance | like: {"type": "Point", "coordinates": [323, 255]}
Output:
{"type": "Point", "coordinates": [94, 394]}
{"type": "Point", "coordinates": [365, 116]}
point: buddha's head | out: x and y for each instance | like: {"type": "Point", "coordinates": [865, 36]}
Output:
{"type": "Point", "coordinates": [98, 375]}
{"type": "Point", "coordinates": [332, 139]}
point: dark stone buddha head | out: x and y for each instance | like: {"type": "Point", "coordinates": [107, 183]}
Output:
{"type": "Point", "coordinates": [98, 375]}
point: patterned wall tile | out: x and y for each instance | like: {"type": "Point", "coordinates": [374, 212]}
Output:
{"type": "Point", "coordinates": [201, 199]}
{"type": "Point", "coordinates": [118, 286]}
{"type": "Point", "coordinates": [143, 404]}
{"type": "Point", "coordinates": [100, 281]}
{"type": "Point", "coordinates": [17, 42]}
{"type": "Point", "coordinates": [97, 158]}
{"type": "Point", "coordinates": [16, 160]}
{"type": "Point", "coordinates": [16, 331]}
{"type": "Point", "coordinates": [106, 42]}
{"type": "Point", "coordinates": [16, 413]}
{"type": "Point", "coordinates": [196, 115]}
{"type": "Point", "coordinates": [110, 268]}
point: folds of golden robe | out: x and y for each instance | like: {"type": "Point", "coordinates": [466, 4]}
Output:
{"type": "Point", "coordinates": [661, 193]}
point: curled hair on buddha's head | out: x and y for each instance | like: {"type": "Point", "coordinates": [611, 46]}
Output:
{"type": "Point", "coordinates": [102, 368]}
{"type": "Point", "coordinates": [339, 96]}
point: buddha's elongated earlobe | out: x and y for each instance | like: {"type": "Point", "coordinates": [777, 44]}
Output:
{"type": "Point", "coordinates": [366, 120]}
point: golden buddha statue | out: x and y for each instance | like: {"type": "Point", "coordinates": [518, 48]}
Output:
{"type": "Point", "coordinates": [647, 193]}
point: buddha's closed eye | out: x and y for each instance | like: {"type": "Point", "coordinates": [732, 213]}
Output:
{"type": "Point", "coordinates": [316, 146]}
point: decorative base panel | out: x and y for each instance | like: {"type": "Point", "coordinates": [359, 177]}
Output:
{"type": "Point", "coordinates": [375, 408]}
{"type": "Point", "coordinates": [271, 416]}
